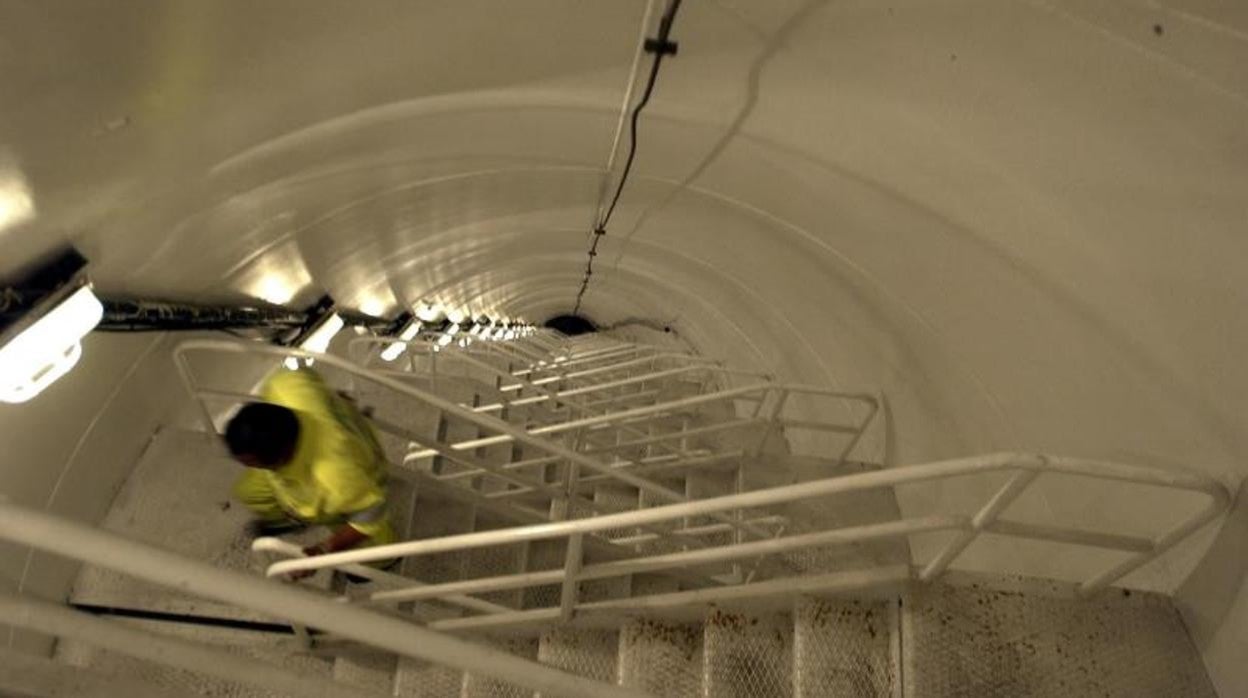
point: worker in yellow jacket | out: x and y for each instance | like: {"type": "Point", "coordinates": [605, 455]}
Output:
{"type": "Point", "coordinates": [311, 458]}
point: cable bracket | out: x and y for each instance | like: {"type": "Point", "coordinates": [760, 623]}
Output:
{"type": "Point", "coordinates": [661, 46]}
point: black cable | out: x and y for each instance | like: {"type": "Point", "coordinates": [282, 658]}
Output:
{"type": "Point", "coordinates": [660, 46]}
{"type": "Point", "coordinates": [187, 618]}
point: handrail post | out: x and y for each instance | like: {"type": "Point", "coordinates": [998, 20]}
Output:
{"type": "Point", "coordinates": [781, 398]}
{"type": "Point", "coordinates": [862, 428]}
{"type": "Point", "coordinates": [573, 561]}
{"type": "Point", "coordinates": [64, 622]}
{"type": "Point", "coordinates": [148, 562]}
{"type": "Point", "coordinates": [989, 513]}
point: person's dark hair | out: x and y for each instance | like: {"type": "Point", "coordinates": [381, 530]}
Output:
{"type": "Point", "coordinates": [264, 432]}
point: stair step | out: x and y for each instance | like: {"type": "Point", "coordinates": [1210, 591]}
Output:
{"type": "Point", "coordinates": [705, 485]}
{"type": "Point", "coordinates": [372, 671]}
{"type": "Point", "coordinates": [495, 561]}
{"type": "Point", "coordinates": [616, 498]}
{"type": "Point", "coordinates": [584, 652]}
{"type": "Point", "coordinates": [179, 497]}
{"type": "Point", "coordinates": [843, 648]}
{"type": "Point", "coordinates": [974, 640]}
{"type": "Point", "coordinates": [544, 555]}
{"type": "Point", "coordinates": [748, 656]}
{"type": "Point", "coordinates": [664, 659]}
{"type": "Point", "coordinates": [414, 678]}
{"type": "Point", "coordinates": [261, 646]}
{"type": "Point", "coordinates": [436, 517]}
{"type": "Point", "coordinates": [476, 686]}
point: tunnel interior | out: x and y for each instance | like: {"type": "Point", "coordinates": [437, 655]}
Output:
{"type": "Point", "coordinates": [1020, 223]}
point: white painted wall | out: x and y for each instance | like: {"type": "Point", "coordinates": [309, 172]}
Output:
{"type": "Point", "coordinates": [70, 450]}
{"type": "Point", "coordinates": [1022, 220]}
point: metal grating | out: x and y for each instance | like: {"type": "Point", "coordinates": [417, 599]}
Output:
{"type": "Point", "coordinates": [494, 561]}
{"type": "Point", "coordinates": [544, 555]}
{"type": "Point", "coordinates": [590, 653]}
{"type": "Point", "coordinates": [616, 498]}
{"type": "Point", "coordinates": [482, 687]}
{"type": "Point", "coordinates": [842, 648]}
{"type": "Point", "coordinates": [972, 641]}
{"type": "Point", "coordinates": [748, 656]}
{"type": "Point", "coordinates": [417, 679]}
{"type": "Point", "coordinates": [661, 658]}
{"type": "Point", "coordinates": [180, 681]}
{"type": "Point", "coordinates": [434, 518]}
{"type": "Point", "coordinates": [373, 671]}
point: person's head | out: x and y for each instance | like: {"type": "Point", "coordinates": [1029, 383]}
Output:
{"type": "Point", "coordinates": [263, 435]}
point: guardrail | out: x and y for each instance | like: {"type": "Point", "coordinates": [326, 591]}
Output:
{"type": "Point", "coordinates": [1022, 468]}
{"type": "Point", "coordinates": [78, 541]}
{"type": "Point", "coordinates": [460, 452]}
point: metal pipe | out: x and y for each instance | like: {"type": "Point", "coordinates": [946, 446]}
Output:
{"type": "Point", "coordinates": [1160, 545]}
{"type": "Point", "coordinates": [573, 562]}
{"type": "Point", "coordinates": [1002, 499]}
{"type": "Point", "coordinates": [80, 542]}
{"type": "Point", "coordinates": [277, 546]}
{"type": "Point", "coordinates": [843, 536]}
{"type": "Point", "coordinates": [745, 500]}
{"type": "Point", "coordinates": [55, 619]}
{"type": "Point", "coordinates": [1075, 536]}
{"type": "Point", "coordinates": [816, 426]}
{"type": "Point", "coordinates": [776, 495]}
{"type": "Point", "coordinates": [831, 583]}
{"type": "Point", "coordinates": [616, 416]}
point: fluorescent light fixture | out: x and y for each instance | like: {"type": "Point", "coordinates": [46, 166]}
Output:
{"type": "Point", "coordinates": [373, 306]}
{"type": "Point", "coordinates": [500, 332]}
{"type": "Point", "coordinates": [445, 340]}
{"type": "Point", "coordinates": [428, 312]}
{"type": "Point", "coordinates": [511, 334]}
{"type": "Point", "coordinates": [452, 329]}
{"type": "Point", "coordinates": [16, 203]}
{"type": "Point", "coordinates": [273, 289]}
{"type": "Point", "coordinates": [317, 340]}
{"type": "Point", "coordinates": [48, 348]}
{"type": "Point", "coordinates": [396, 349]}
{"type": "Point", "coordinates": [455, 315]}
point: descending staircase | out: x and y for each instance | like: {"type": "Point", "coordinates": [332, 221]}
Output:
{"type": "Point", "coordinates": [658, 427]}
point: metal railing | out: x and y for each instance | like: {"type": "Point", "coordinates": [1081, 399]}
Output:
{"type": "Point", "coordinates": [1021, 468]}
{"type": "Point", "coordinates": [78, 541]}
{"type": "Point", "coordinates": [538, 438]}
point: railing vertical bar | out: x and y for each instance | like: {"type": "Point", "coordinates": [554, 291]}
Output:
{"type": "Point", "coordinates": [1002, 499]}
{"type": "Point", "coordinates": [571, 579]}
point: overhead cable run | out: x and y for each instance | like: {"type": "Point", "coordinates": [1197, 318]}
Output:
{"type": "Point", "coordinates": [660, 46]}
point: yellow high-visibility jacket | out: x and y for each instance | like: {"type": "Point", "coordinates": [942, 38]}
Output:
{"type": "Point", "coordinates": [338, 471]}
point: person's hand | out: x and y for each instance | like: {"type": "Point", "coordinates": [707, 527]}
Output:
{"type": "Point", "coordinates": [310, 551]}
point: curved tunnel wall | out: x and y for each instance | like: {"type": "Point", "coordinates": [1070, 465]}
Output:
{"type": "Point", "coordinates": [1021, 221]}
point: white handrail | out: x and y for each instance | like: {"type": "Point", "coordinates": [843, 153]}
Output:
{"type": "Point", "coordinates": [1025, 466]}
{"type": "Point", "coordinates": [506, 431]}
{"type": "Point", "coordinates": [63, 622]}
{"type": "Point", "coordinates": [108, 550]}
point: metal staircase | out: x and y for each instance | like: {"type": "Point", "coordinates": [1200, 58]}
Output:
{"type": "Point", "coordinates": [658, 523]}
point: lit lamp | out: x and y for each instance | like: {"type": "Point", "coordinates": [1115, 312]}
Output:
{"type": "Point", "coordinates": [47, 343]}
{"type": "Point", "coordinates": [317, 339]}
{"type": "Point", "coordinates": [396, 349]}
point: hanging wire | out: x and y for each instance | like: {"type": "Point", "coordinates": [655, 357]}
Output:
{"type": "Point", "coordinates": [660, 46]}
